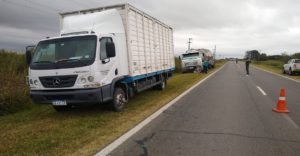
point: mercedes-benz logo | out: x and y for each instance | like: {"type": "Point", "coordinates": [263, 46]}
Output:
{"type": "Point", "coordinates": [56, 82]}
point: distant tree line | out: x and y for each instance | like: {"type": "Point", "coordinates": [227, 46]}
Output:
{"type": "Point", "coordinates": [256, 55]}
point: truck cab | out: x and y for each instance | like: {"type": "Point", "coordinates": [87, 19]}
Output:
{"type": "Point", "coordinates": [82, 64]}
{"type": "Point", "coordinates": [191, 61]}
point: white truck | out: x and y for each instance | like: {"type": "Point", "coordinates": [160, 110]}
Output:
{"type": "Point", "coordinates": [102, 54]}
{"type": "Point", "coordinates": [292, 67]}
{"type": "Point", "coordinates": [194, 58]}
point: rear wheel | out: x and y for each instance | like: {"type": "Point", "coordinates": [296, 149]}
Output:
{"type": "Point", "coordinates": [283, 71]}
{"type": "Point", "coordinates": [119, 99]}
{"type": "Point", "coordinates": [291, 72]}
{"type": "Point", "coordinates": [162, 85]}
{"type": "Point", "coordinates": [62, 108]}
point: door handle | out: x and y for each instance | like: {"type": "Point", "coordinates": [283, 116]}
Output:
{"type": "Point", "coordinates": [116, 71]}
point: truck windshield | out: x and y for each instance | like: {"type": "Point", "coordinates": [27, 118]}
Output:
{"type": "Point", "coordinates": [65, 52]}
{"type": "Point", "coordinates": [190, 55]}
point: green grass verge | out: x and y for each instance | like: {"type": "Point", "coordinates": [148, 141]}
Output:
{"type": "Point", "coordinates": [42, 131]}
{"type": "Point", "coordinates": [274, 66]}
{"type": "Point", "coordinates": [13, 89]}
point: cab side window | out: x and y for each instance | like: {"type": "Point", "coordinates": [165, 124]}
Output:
{"type": "Point", "coordinates": [103, 51]}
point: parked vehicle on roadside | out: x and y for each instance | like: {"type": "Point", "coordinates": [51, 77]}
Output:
{"type": "Point", "coordinates": [102, 54]}
{"type": "Point", "coordinates": [292, 67]}
{"type": "Point", "coordinates": [193, 59]}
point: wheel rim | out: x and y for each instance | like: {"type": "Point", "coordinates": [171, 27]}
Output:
{"type": "Point", "coordinates": [120, 100]}
{"type": "Point", "coordinates": [163, 84]}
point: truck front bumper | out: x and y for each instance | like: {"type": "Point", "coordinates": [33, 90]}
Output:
{"type": "Point", "coordinates": [189, 68]}
{"type": "Point", "coordinates": [79, 96]}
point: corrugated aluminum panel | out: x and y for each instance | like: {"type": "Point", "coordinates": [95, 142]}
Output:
{"type": "Point", "coordinates": [149, 41]}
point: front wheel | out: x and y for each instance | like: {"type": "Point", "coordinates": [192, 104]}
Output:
{"type": "Point", "coordinates": [162, 85]}
{"type": "Point", "coordinates": [119, 99]}
{"type": "Point", "coordinates": [291, 72]}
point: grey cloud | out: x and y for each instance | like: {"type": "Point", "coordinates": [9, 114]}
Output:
{"type": "Point", "coordinates": [233, 25]}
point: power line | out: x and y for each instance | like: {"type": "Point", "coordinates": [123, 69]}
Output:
{"type": "Point", "coordinates": [215, 51]}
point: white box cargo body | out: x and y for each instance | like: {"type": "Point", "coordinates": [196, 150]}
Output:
{"type": "Point", "coordinates": [149, 41]}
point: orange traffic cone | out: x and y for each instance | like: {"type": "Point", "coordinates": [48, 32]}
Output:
{"type": "Point", "coordinates": [281, 105]}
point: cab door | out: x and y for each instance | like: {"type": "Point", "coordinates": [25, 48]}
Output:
{"type": "Point", "coordinates": [107, 64]}
{"type": "Point", "coordinates": [107, 59]}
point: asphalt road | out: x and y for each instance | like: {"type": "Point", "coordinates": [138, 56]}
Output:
{"type": "Point", "coordinates": [225, 115]}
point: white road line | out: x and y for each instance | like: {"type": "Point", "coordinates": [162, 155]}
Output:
{"type": "Point", "coordinates": [109, 148]}
{"type": "Point", "coordinates": [291, 121]}
{"type": "Point", "coordinates": [262, 91]}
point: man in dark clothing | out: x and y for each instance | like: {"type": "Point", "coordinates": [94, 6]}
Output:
{"type": "Point", "coordinates": [205, 66]}
{"type": "Point", "coordinates": [248, 61]}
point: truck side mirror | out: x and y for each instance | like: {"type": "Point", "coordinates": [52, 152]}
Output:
{"type": "Point", "coordinates": [110, 49]}
{"type": "Point", "coordinates": [28, 54]}
{"type": "Point", "coordinates": [28, 57]}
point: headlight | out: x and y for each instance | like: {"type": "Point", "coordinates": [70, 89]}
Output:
{"type": "Point", "coordinates": [36, 82]}
{"type": "Point", "coordinates": [31, 81]}
{"type": "Point", "coordinates": [83, 80]}
{"type": "Point", "coordinates": [91, 78]}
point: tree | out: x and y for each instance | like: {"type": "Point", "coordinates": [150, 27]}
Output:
{"type": "Point", "coordinates": [296, 56]}
{"type": "Point", "coordinates": [252, 54]}
{"type": "Point", "coordinates": [285, 57]}
{"type": "Point", "coordinates": [263, 57]}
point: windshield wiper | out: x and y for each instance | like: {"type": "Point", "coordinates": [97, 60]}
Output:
{"type": "Point", "coordinates": [43, 62]}
{"type": "Point", "coordinates": [67, 60]}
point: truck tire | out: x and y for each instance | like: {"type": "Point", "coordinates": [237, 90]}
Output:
{"type": "Point", "coordinates": [291, 72]}
{"type": "Point", "coordinates": [62, 108]}
{"type": "Point", "coordinates": [162, 85]}
{"type": "Point", "coordinates": [119, 99]}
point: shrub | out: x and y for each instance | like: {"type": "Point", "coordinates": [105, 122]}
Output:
{"type": "Point", "coordinates": [13, 88]}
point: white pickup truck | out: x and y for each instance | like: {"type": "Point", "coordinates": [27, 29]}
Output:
{"type": "Point", "coordinates": [292, 67]}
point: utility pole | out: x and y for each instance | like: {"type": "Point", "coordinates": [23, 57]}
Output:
{"type": "Point", "coordinates": [215, 50]}
{"type": "Point", "coordinates": [189, 42]}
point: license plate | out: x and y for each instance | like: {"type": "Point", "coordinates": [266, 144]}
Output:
{"type": "Point", "coordinates": [191, 67]}
{"type": "Point", "coordinates": [59, 103]}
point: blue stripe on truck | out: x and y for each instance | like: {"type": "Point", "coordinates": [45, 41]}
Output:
{"type": "Point", "coordinates": [129, 79]}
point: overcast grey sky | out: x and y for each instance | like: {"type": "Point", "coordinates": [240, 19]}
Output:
{"type": "Point", "coordinates": [235, 26]}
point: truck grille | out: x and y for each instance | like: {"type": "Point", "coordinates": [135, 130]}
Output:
{"type": "Point", "coordinates": [191, 64]}
{"type": "Point", "coordinates": [58, 81]}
